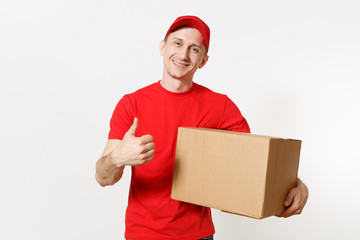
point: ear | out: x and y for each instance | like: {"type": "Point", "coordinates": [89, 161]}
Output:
{"type": "Point", "coordinates": [162, 47]}
{"type": "Point", "coordinates": [204, 61]}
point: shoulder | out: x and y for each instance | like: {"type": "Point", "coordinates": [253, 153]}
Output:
{"type": "Point", "coordinates": [139, 94]}
{"type": "Point", "coordinates": [149, 89]}
{"type": "Point", "coordinates": [205, 90]}
{"type": "Point", "coordinates": [217, 99]}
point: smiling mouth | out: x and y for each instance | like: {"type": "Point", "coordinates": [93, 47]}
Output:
{"type": "Point", "coordinates": [180, 64]}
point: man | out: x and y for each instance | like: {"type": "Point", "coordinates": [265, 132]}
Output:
{"type": "Point", "coordinates": [150, 117]}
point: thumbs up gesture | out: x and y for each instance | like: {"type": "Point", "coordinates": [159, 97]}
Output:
{"type": "Point", "coordinates": [134, 151]}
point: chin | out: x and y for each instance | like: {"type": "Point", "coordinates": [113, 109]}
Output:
{"type": "Point", "coordinates": [178, 75]}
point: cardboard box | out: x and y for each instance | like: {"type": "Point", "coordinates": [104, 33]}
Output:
{"type": "Point", "coordinates": [235, 172]}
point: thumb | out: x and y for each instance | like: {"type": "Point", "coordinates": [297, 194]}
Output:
{"type": "Point", "coordinates": [134, 126]}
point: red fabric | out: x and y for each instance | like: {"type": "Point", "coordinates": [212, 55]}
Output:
{"type": "Point", "coordinates": [195, 22]}
{"type": "Point", "coordinates": [151, 214]}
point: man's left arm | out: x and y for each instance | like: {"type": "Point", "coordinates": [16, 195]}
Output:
{"type": "Point", "coordinates": [234, 121]}
{"type": "Point", "coordinates": [295, 200]}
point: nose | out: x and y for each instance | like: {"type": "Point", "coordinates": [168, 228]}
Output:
{"type": "Point", "coordinates": [184, 53]}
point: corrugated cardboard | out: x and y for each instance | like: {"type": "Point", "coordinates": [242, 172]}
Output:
{"type": "Point", "coordinates": [235, 172]}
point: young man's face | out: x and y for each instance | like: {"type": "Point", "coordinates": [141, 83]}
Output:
{"type": "Point", "coordinates": [184, 52]}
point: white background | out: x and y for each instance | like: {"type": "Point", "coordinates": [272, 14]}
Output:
{"type": "Point", "coordinates": [292, 67]}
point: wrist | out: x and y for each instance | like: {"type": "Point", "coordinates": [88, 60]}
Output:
{"type": "Point", "coordinates": [301, 185]}
{"type": "Point", "coordinates": [114, 160]}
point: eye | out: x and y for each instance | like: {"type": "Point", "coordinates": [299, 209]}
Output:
{"type": "Point", "coordinates": [195, 50]}
{"type": "Point", "coordinates": [177, 43]}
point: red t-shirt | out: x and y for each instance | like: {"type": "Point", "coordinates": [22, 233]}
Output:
{"type": "Point", "coordinates": [151, 214]}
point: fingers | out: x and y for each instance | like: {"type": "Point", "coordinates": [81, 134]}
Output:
{"type": "Point", "coordinates": [146, 139]}
{"type": "Point", "coordinates": [289, 198]}
{"type": "Point", "coordinates": [147, 147]}
{"type": "Point", "coordinates": [288, 212]}
{"type": "Point", "coordinates": [148, 156]}
{"type": "Point", "coordinates": [292, 203]}
{"type": "Point", "coordinates": [143, 158]}
{"type": "Point", "coordinates": [294, 209]}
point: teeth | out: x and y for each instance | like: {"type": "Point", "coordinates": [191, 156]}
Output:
{"type": "Point", "coordinates": [179, 64]}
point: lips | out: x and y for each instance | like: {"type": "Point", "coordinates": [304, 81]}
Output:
{"type": "Point", "coordinates": [181, 65]}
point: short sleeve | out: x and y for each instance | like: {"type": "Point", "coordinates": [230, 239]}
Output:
{"type": "Point", "coordinates": [232, 119]}
{"type": "Point", "coordinates": [122, 118]}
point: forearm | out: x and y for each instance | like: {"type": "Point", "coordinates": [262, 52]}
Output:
{"type": "Point", "coordinates": [107, 173]}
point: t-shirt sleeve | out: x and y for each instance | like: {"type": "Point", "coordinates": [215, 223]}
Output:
{"type": "Point", "coordinates": [122, 118]}
{"type": "Point", "coordinates": [232, 119]}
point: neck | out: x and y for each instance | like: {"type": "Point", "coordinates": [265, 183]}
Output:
{"type": "Point", "coordinates": [176, 85]}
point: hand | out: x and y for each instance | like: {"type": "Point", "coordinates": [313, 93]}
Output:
{"type": "Point", "coordinates": [132, 150]}
{"type": "Point", "coordinates": [295, 200]}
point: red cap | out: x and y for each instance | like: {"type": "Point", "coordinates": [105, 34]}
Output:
{"type": "Point", "coordinates": [195, 22]}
